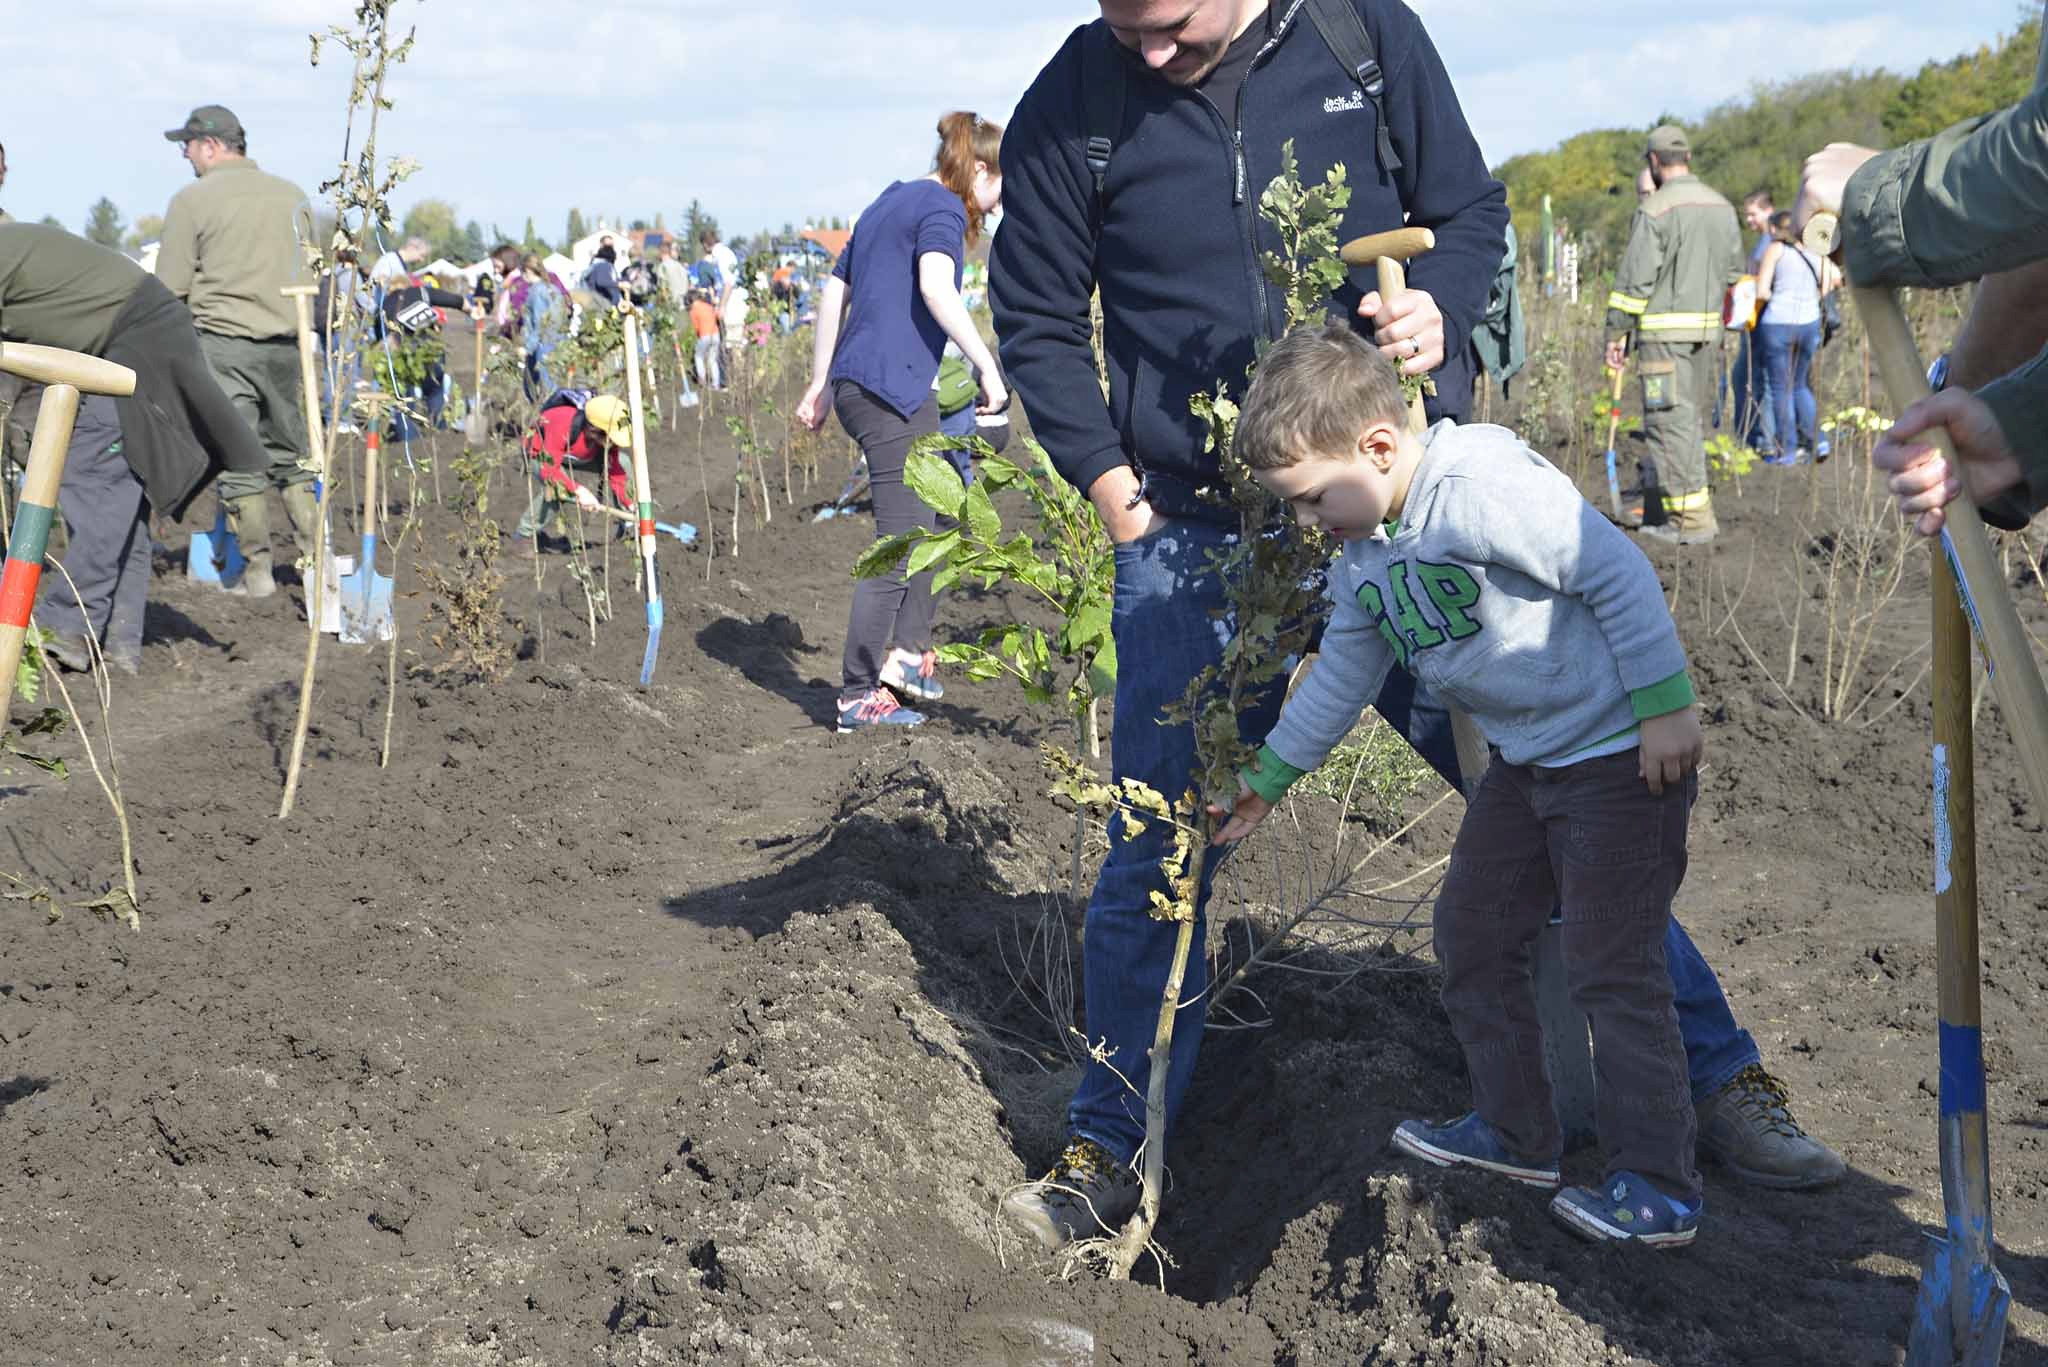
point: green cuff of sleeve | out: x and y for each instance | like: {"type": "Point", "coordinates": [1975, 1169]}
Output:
{"type": "Point", "coordinates": [1666, 695]}
{"type": "Point", "coordinates": [2020, 403]}
{"type": "Point", "coordinates": [1269, 775]}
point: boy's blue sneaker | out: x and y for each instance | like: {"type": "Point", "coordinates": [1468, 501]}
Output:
{"type": "Point", "coordinates": [1472, 1143]}
{"type": "Point", "coordinates": [876, 707]}
{"type": "Point", "coordinates": [1628, 1210]}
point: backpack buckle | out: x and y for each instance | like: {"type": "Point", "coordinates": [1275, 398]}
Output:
{"type": "Point", "coordinates": [1097, 152]}
{"type": "Point", "coordinates": [1371, 81]}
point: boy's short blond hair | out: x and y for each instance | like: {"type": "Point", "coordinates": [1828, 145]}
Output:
{"type": "Point", "coordinates": [1314, 392]}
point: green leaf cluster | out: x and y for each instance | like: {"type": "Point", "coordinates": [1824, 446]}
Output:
{"type": "Point", "coordinates": [1306, 269]}
{"type": "Point", "coordinates": [1069, 565]}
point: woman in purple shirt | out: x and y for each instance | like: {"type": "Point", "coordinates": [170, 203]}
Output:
{"type": "Point", "coordinates": [898, 286]}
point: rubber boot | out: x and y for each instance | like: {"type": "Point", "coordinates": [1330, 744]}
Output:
{"type": "Point", "coordinates": [304, 510]}
{"type": "Point", "coordinates": [249, 520]}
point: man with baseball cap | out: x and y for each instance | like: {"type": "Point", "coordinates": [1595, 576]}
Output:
{"type": "Point", "coordinates": [1684, 251]}
{"type": "Point", "coordinates": [231, 243]}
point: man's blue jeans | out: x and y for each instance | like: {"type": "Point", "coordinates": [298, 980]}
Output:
{"type": "Point", "coordinates": [1166, 632]}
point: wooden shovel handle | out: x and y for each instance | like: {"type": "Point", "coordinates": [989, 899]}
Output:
{"type": "Point", "coordinates": [1401, 244]}
{"type": "Point", "coordinates": [2014, 677]}
{"type": "Point", "coordinates": [54, 365]}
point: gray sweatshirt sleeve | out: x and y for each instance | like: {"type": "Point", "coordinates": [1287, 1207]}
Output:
{"type": "Point", "coordinates": [1529, 518]}
{"type": "Point", "coordinates": [1346, 675]}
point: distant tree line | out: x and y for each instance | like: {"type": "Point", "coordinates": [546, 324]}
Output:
{"type": "Point", "coordinates": [1760, 142]}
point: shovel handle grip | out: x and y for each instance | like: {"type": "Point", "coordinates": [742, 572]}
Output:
{"type": "Point", "coordinates": [54, 365]}
{"type": "Point", "coordinates": [1399, 245]}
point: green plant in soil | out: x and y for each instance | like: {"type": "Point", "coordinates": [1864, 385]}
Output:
{"type": "Point", "coordinates": [34, 664]}
{"type": "Point", "coordinates": [49, 723]}
{"type": "Point", "coordinates": [468, 596]}
{"type": "Point", "coordinates": [1376, 769]}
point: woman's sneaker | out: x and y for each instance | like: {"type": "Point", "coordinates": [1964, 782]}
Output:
{"type": "Point", "coordinates": [1087, 1193]}
{"type": "Point", "coordinates": [915, 676]}
{"type": "Point", "coordinates": [876, 707]}
{"type": "Point", "coordinates": [1472, 1143]}
{"type": "Point", "coordinates": [1628, 1210]}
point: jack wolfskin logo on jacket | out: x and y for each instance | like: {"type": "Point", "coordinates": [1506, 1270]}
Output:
{"type": "Point", "coordinates": [1338, 104]}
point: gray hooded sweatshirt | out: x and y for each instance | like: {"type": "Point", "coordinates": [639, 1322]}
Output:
{"type": "Point", "coordinates": [1510, 597]}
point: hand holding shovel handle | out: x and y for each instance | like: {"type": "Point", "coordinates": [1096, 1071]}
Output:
{"type": "Point", "coordinates": [1959, 1314]}
{"type": "Point", "coordinates": [1388, 253]}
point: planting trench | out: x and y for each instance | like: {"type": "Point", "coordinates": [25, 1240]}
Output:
{"type": "Point", "coordinates": [665, 1026]}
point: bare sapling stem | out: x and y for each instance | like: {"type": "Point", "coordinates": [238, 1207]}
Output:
{"type": "Point", "coordinates": [110, 777]}
{"type": "Point", "coordinates": [1130, 1244]}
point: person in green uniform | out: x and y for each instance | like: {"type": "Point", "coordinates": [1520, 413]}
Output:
{"type": "Point", "coordinates": [1684, 251]}
{"type": "Point", "coordinates": [231, 243]}
{"type": "Point", "coordinates": [1969, 203]}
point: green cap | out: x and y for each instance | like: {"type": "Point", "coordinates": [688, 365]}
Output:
{"type": "Point", "coordinates": [208, 121]}
{"type": "Point", "coordinates": [1668, 138]}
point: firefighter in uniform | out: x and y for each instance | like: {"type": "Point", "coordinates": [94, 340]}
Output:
{"type": "Point", "coordinates": [1684, 251]}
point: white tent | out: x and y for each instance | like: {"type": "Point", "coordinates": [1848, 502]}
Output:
{"type": "Point", "coordinates": [565, 270]}
{"type": "Point", "coordinates": [443, 270]}
{"type": "Point", "coordinates": [584, 249]}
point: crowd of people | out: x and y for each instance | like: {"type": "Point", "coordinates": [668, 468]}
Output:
{"type": "Point", "coordinates": [1467, 571]}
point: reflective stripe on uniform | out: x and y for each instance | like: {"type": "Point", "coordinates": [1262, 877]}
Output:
{"type": "Point", "coordinates": [1626, 303]}
{"type": "Point", "coordinates": [1685, 503]}
{"type": "Point", "coordinates": [1679, 322]}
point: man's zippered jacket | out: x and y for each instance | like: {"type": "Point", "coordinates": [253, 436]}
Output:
{"type": "Point", "coordinates": [1684, 251]}
{"type": "Point", "coordinates": [1177, 258]}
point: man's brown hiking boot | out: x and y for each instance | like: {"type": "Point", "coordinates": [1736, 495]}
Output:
{"type": "Point", "coordinates": [1087, 1193]}
{"type": "Point", "coordinates": [1747, 1127]}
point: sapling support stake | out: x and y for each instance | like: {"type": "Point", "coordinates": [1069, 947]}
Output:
{"type": "Point", "coordinates": [316, 443]}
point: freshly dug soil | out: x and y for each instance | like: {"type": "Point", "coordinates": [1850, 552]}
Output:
{"type": "Point", "coordinates": [640, 1026]}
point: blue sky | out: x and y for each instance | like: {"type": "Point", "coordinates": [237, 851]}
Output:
{"type": "Point", "coordinates": [770, 113]}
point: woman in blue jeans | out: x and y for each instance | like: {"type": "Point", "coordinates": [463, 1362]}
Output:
{"type": "Point", "coordinates": [900, 278]}
{"type": "Point", "coordinates": [1789, 282]}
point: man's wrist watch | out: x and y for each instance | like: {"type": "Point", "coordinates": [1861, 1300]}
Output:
{"type": "Point", "coordinates": [1937, 374]}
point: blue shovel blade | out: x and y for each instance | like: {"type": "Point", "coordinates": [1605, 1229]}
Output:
{"type": "Point", "coordinates": [653, 642]}
{"type": "Point", "coordinates": [1932, 1341]}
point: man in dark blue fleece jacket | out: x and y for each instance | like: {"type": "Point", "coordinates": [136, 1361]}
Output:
{"type": "Point", "coordinates": [1210, 91]}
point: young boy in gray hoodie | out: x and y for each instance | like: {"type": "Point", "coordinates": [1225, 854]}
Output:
{"type": "Point", "coordinates": [1470, 561]}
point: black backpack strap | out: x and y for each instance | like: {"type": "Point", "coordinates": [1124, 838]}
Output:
{"type": "Point", "coordinates": [1344, 33]}
{"type": "Point", "coordinates": [1102, 96]}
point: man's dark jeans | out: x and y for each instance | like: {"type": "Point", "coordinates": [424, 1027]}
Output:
{"type": "Point", "coordinates": [1166, 631]}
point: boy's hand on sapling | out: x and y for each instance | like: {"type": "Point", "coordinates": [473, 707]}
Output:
{"type": "Point", "coordinates": [1671, 746]}
{"type": "Point", "coordinates": [1251, 809]}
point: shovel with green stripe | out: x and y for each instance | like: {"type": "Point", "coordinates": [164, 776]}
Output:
{"type": "Point", "coordinates": [66, 373]}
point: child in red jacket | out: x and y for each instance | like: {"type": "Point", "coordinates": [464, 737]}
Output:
{"type": "Point", "coordinates": [566, 435]}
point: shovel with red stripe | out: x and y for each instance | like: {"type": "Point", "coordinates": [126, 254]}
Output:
{"type": "Point", "coordinates": [67, 374]}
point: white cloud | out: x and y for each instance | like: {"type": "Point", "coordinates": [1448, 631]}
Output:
{"type": "Point", "coordinates": [775, 112]}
